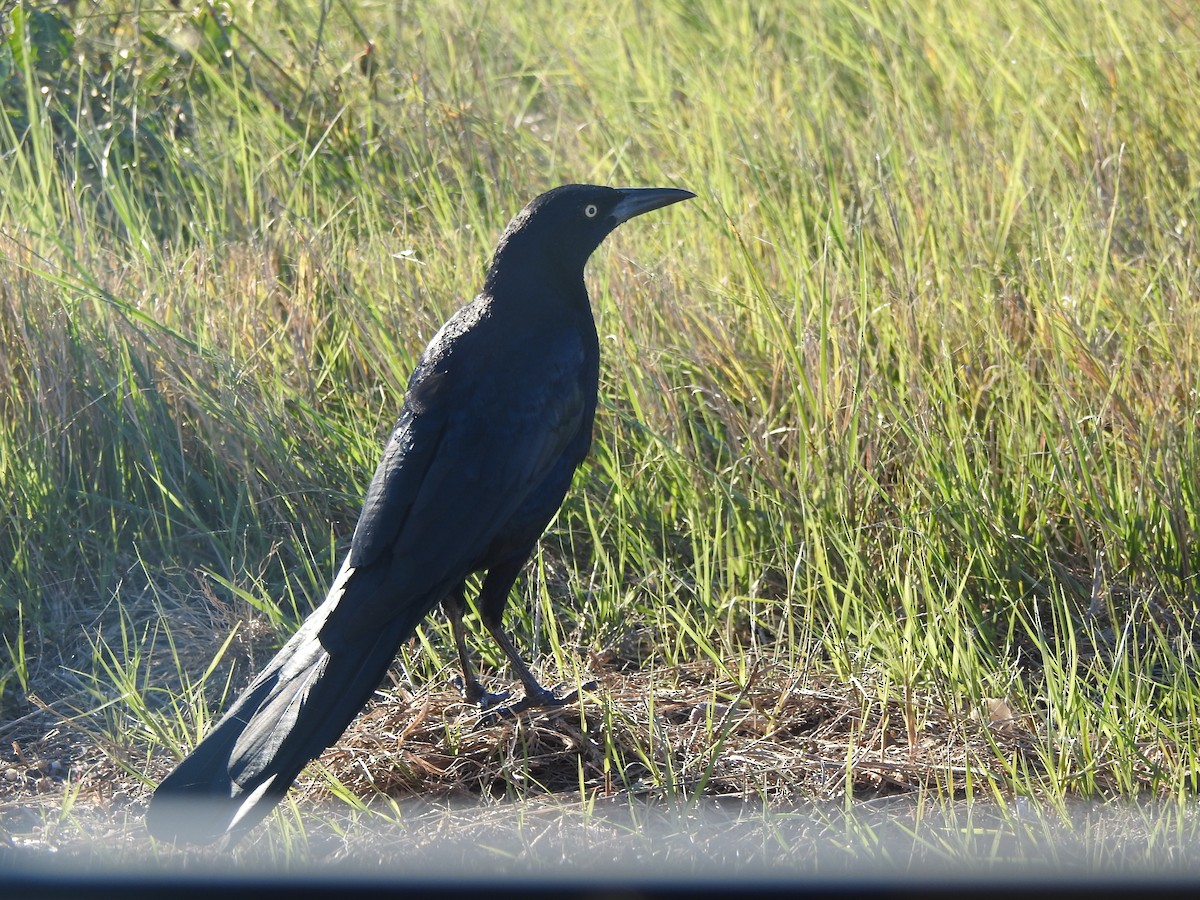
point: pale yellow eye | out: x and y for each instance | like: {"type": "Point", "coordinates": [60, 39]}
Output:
{"type": "Point", "coordinates": [590, 210]}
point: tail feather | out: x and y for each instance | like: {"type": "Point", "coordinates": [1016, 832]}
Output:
{"type": "Point", "coordinates": [300, 704]}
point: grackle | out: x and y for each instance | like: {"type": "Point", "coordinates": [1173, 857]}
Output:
{"type": "Point", "coordinates": [496, 418]}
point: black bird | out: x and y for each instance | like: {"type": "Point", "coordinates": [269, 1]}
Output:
{"type": "Point", "coordinates": [496, 418]}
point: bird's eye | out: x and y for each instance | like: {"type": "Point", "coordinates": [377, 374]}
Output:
{"type": "Point", "coordinates": [590, 210]}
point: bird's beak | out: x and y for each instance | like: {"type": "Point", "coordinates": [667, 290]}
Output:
{"type": "Point", "coordinates": [635, 201]}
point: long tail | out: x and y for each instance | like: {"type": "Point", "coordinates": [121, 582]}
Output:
{"type": "Point", "coordinates": [300, 704]}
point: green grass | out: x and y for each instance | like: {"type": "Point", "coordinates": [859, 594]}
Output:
{"type": "Point", "coordinates": [906, 398]}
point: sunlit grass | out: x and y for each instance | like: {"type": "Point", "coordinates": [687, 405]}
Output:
{"type": "Point", "coordinates": [906, 398]}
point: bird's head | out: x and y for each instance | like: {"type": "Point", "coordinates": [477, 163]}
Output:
{"type": "Point", "coordinates": [562, 227]}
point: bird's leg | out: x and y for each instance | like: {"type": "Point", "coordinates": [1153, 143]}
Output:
{"type": "Point", "coordinates": [536, 696]}
{"type": "Point", "coordinates": [468, 684]}
{"type": "Point", "coordinates": [492, 597]}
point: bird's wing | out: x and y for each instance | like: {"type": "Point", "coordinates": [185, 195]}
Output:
{"type": "Point", "coordinates": [407, 456]}
{"type": "Point", "coordinates": [465, 453]}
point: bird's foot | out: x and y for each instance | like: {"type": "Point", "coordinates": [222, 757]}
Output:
{"type": "Point", "coordinates": [537, 699]}
{"type": "Point", "coordinates": [474, 692]}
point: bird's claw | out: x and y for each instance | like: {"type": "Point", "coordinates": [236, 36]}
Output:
{"type": "Point", "coordinates": [473, 692]}
{"type": "Point", "coordinates": [535, 700]}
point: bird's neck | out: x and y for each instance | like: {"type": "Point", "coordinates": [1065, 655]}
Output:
{"type": "Point", "coordinates": [554, 283]}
